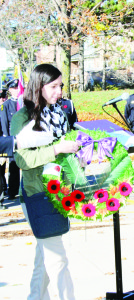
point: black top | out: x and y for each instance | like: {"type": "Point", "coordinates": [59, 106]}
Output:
{"type": "Point", "coordinates": [1, 132]}
{"type": "Point", "coordinates": [68, 108]}
{"type": "Point", "coordinates": [6, 146]}
{"type": "Point", "coordinates": [129, 111]}
{"type": "Point", "coordinates": [8, 109]}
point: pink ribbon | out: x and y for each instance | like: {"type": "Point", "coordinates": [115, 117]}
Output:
{"type": "Point", "coordinates": [105, 146]}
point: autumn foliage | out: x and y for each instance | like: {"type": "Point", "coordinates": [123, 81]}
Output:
{"type": "Point", "coordinates": [86, 116]}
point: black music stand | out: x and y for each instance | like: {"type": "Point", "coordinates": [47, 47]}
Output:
{"type": "Point", "coordinates": [115, 106]}
{"type": "Point", "coordinates": [119, 295]}
{"type": "Point", "coordinates": [131, 149]}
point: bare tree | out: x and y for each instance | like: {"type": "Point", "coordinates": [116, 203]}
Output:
{"type": "Point", "coordinates": [24, 25]}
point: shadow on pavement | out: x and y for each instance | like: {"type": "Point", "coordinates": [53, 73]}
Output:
{"type": "Point", "coordinates": [11, 203]}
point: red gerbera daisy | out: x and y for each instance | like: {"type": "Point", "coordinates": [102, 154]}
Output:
{"type": "Point", "coordinates": [88, 210]}
{"type": "Point", "coordinates": [67, 202]}
{"type": "Point", "coordinates": [112, 204]}
{"type": "Point", "coordinates": [53, 186]}
{"type": "Point", "coordinates": [125, 188]}
{"type": "Point", "coordinates": [102, 195]}
{"type": "Point", "coordinates": [78, 195]}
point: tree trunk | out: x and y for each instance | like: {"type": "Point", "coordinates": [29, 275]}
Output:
{"type": "Point", "coordinates": [66, 52]}
{"type": "Point", "coordinates": [54, 59]}
{"type": "Point", "coordinates": [66, 67]}
{"type": "Point", "coordinates": [104, 64]}
{"type": "Point", "coordinates": [81, 66]}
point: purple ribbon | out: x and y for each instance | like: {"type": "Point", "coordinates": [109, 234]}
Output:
{"type": "Point", "coordinates": [105, 145]}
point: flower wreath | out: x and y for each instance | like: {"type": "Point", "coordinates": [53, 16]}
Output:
{"type": "Point", "coordinates": [89, 205]}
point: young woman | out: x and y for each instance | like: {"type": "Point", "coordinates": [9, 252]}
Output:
{"type": "Point", "coordinates": [44, 113]}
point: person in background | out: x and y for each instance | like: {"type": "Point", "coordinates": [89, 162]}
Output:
{"type": "Point", "coordinates": [3, 184]}
{"type": "Point", "coordinates": [89, 82]}
{"type": "Point", "coordinates": [41, 108]}
{"type": "Point", "coordinates": [8, 146]}
{"type": "Point", "coordinates": [129, 111]}
{"type": "Point", "coordinates": [8, 109]}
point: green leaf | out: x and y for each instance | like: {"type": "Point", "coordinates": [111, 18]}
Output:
{"type": "Point", "coordinates": [123, 170]}
{"type": "Point", "coordinates": [73, 170]}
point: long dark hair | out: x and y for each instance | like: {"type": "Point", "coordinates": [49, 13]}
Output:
{"type": "Point", "coordinates": [41, 75]}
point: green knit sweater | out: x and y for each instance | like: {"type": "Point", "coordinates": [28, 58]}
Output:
{"type": "Point", "coordinates": [30, 161]}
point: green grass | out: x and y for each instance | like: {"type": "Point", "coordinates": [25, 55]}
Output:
{"type": "Point", "coordinates": [92, 101]}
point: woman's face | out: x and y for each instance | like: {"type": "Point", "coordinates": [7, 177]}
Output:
{"type": "Point", "coordinates": [52, 91]}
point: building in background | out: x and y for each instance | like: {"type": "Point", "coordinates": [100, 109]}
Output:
{"type": "Point", "coordinates": [119, 69]}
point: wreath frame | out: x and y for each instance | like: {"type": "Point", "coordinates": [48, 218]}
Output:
{"type": "Point", "coordinates": [93, 208]}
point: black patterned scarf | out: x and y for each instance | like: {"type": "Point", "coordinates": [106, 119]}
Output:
{"type": "Point", "coordinates": [53, 120]}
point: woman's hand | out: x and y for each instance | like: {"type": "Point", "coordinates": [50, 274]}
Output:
{"type": "Point", "coordinates": [66, 147]}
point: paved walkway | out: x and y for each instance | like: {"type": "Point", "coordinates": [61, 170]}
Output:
{"type": "Point", "coordinates": [90, 251]}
